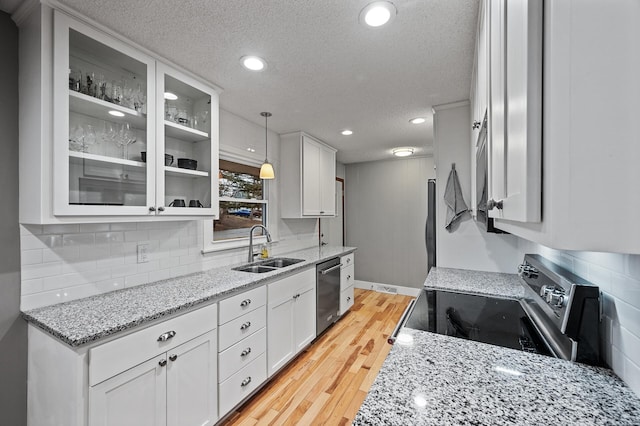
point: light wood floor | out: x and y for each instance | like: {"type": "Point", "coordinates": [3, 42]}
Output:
{"type": "Point", "coordinates": [328, 382]}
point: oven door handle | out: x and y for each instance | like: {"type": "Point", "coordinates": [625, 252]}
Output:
{"type": "Point", "coordinates": [403, 319]}
{"type": "Point", "coordinates": [326, 271]}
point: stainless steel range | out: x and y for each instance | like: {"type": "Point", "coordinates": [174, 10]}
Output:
{"type": "Point", "coordinates": [559, 315]}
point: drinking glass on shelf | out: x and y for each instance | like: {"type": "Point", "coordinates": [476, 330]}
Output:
{"type": "Point", "coordinates": [201, 120]}
{"type": "Point", "coordinates": [75, 79]}
{"type": "Point", "coordinates": [140, 100]}
{"type": "Point", "coordinates": [76, 139]}
{"type": "Point", "coordinates": [89, 137]}
{"type": "Point", "coordinates": [128, 137]}
{"type": "Point", "coordinates": [116, 93]}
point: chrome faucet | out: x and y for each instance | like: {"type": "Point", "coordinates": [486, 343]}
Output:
{"type": "Point", "coordinates": [250, 259]}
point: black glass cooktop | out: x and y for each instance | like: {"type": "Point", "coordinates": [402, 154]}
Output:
{"type": "Point", "coordinates": [485, 319]}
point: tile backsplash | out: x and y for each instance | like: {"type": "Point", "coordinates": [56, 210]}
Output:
{"type": "Point", "coordinates": [67, 262]}
{"type": "Point", "coordinates": [618, 277]}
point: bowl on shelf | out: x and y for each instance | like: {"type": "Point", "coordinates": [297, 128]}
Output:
{"type": "Point", "coordinates": [168, 158]}
{"type": "Point", "coordinates": [187, 163]}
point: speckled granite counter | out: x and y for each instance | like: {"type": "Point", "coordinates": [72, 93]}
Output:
{"type": "Point", "coordinates": [433, 379]}
{"type": "Point", "coordinates": [86, 320]}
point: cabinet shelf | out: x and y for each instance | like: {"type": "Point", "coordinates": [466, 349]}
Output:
{"type": "Point", "coordinates": [103, 159]}
{"type": "Point", "coordinates": [97, 108]}
{"type": "Point", "coordinates": [176, 171]}
{"type": "Point", "coordinates": [178, 131]}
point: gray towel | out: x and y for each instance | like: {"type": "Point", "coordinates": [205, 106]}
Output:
{"type": "Point", "coordinates": [456, 206]}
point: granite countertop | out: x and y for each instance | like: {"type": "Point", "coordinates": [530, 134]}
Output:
{"type": "Point", "coordinates": [86, 320]}
{"type": "Point", "coordinates": [431, 379]}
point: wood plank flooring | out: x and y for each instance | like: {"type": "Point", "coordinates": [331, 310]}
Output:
{"type": "Point", "coordinates": [327, 383]}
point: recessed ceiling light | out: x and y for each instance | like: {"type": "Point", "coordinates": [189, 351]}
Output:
{"type": "Point", "coordinates": [170, 96]}
{"type": "Point", "coordinates": [116, 113]}
{"type": "Point", "coordinates": [378, 13]}
{"type": "Point", "coordinates": [251, 149]}
{"type": "Point", "coordinates": [347, 132]}
{"type": "Point", "coordinates": [402, 152]}
{"type": "Point", "coordinates": [253, 63]}
{"type": "Point", "coordinates": [417, 120]}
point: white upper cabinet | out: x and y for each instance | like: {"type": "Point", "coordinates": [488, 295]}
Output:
{"type": "Point", "coordinates": [515, 112]}
{"type": "Point", "coordinates": [95, 144]}
{"type": "Point", "coordinates": [307, 177]}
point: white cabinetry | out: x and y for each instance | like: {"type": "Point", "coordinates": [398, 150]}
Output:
{"type": "Point", "coordinates": [92, 128]}
{"type": "Point", "coordinates": [347, 278]}
{"type": "Point", "coordinates": [291, 317]}
{"type": "Point", "coordinates": [515, 115]}
{"type": "Point", "coordinates": [307, 177]}
{"type": "Point", "coordinates": [591, 149]}
{"type": "Point", "coordinates": [242, 344]}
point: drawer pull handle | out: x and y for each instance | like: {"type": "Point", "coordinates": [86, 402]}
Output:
{"type": "Point", "coordinates": [162, 362]}
{"type": "Point", "coordinates": [245, 352]}
{"type": "Point", "coordinates": [348, 260]}
{"type": "Point", "coordinates": [166, 336]}
{"type": "Point", "coordinates": [246, 381]}
{"type": "Point", "coordinates": [348, 277]}
{"type": "Point", "coordinates": [245, 325]}
{"type": "Point", "coordinates": [173, 357]}
{"type": "Point", "coordinates": [348, 298]}
{"type": "Point", "coordinates": [245, 302]}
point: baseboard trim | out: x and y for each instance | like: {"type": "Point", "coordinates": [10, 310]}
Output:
{"type": "Point", "coordinates": [387, 288]}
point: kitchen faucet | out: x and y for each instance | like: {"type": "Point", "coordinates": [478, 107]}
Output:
{"type": "Point", "coordinates": [251, 240]}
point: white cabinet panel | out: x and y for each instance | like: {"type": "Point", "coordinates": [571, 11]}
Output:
{"type": "Point", "coordinates": [346, 300]}
{"type": "Point", "coordinates": [242, 384]}
{"type": "Point", "coordinates": [347, 277]}
{"type": "Point", "coordinates": [242, 353]}
{"type": "Point", "coordinates": [304, 316]}
{"type": "Point", "coordinates": [241, 327]}
{"type": "Point", "coordinates": [280, 334]}
{"type": "Point", "coordinates": [240, 304]}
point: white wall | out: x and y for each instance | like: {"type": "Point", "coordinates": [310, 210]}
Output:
{"type": "Point", "coordinates": [385, 206]}
{"type": "Point", "coordinates": [468, 247]}
{"type": "Point", "coordinates": [618, 276]}
{"type": "Point", "coordinates": [66, 262]}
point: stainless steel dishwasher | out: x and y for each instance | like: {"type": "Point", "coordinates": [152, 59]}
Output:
{"type": "Point", "coordinates": [327, 293]}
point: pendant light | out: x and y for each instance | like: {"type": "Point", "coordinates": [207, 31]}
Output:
{"type": "Point", "coordinates": [266, 170]}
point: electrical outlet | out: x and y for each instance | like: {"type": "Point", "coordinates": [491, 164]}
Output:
{"type": "Point", "coordinates": [143, 253]}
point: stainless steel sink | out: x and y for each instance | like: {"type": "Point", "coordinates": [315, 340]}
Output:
{"type": "Point", "coordinates": [280, 262]}
{"type": "Point", "coordinates": [268, 265]}
{"type": "Point", "coordinates": [256, 269]}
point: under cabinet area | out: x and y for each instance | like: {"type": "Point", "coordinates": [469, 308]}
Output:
{"type": "Point", "coordinates": [308, 171]}
{"type": "Point", "coordinates": [98, 140]}
{"type": "Point", "coordinates": [291, 317]}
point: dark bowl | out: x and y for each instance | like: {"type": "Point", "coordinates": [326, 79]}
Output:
{"type": "Point", "coordinates": [143, 155]}
{"type": "Point", "coordinates": [168, 158]}
{"type": "Point", "coordinates": [187, 163]}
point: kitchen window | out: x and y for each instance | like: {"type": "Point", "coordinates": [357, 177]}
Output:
{"type": "Point", "coordinates": [243, 204]}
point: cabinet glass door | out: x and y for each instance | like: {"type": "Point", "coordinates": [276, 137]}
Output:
{"type": "Point", "coordinates": [103, 119]}
{"type": "Point", "coordinates": [187, 158]}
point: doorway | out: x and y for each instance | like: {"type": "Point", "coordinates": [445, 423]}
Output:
{"type": "Point", "coordinates": [331, 229]}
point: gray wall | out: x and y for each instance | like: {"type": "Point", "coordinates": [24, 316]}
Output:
{"type": "Point", "coordinates": [385, 204]}
{"type": "Point", "coordinates": [13, 330]}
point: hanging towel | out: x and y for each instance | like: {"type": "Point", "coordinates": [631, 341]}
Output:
{"type": "Point", "coordinates": [456, 206]}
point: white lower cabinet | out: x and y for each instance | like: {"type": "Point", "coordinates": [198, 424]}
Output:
{"type": "Point", "coordinates": [243, 383]}
{"type": "Point", "coordinates": [291, 323]}
{"type": "Point", "coordinates": [177, 387]}
{"type": "Point", "coordinates": [346, 300]}
{"type": "Point", "coordinates": [347, 280]}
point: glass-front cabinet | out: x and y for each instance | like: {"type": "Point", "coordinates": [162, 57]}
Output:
{"type": "Point", "coordinates": [132, 136]}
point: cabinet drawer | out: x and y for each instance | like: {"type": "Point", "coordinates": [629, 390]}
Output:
{"type": "Point", "coordinates": [242, 353]}
{"type": "Point", "coordinates": [239, 328]}
{"type": "Point", "coordinates": [347, 260]}
{"type": "Point", "coordinates": [118, 355]}
{"type": "Point", "coordinates": [240, 385]}
{"type": "Point", "coordinates": [346, 277]}
{"type": "Point", "coordinates": [242, 303]}
{"type": "Point", "coordinates": [346, 300]}
{"type": "Point", "coordinates": [285, 288]}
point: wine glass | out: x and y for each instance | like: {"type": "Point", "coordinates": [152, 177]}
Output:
{"type": "Point", "coordinates": [76, 139]}
{"type": "Point", "coordinates": [128, 137]}
{"type": "Point", "coordinates": [89, 137]}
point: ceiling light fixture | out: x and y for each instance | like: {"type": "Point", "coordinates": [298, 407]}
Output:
{"type": "Point", "coordinates": [170, 96]}
{"type": "Point", "coordinates": [402, 152]}
{"type": "Point", "coordinates": [251, 149]}
{"type": "Point", "coordinates": [346, 132]}
{"type": "Point", "coordinates": [116, 113]}
{"type": "Point", "coordinates": [266, 170]}
{"type": "Point", "coordinates": [378, 13]}
{"type": "Point", "coordinates": [253, 63]}
{"type": "Point", "coordinates": [417, 120]}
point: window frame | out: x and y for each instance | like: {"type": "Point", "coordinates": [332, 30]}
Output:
{"type": "Point", "coordinates": [209, 245]}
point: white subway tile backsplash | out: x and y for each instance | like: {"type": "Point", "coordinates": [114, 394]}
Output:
{"type": "Point", "coordinates": [78, 266]}
{"type": "Point", "coordinates": [633, 265]}
{"type": "Point", "coordinates": [122, 227]}
{"type": "Point", "coordinates": [94, 227]}
{"type": "Point", "coordinates": [124, 270]}
{"type": "Point", "coordinates": [30, 229]}
{"type": "Point", "coordinates": [30, 242]}
{"type": "Point", "coordinates": [69, 240]}
{"type": "Point", "coordinates": [161, 274]}
{"type": "Point", "coordinates": [29, 257]}
{"type": "Point", "coordinates": [135, 280]}
{"type": "Point", "coordinates": [627, 343]}
{"type": "Point", "coordinates": [600, 275]}
{"type": "Point", "coordinates": [65, 254]}
{"type": "Point", "coordinates": [631, 375]}
{"type": "Point", "coordinates": [32, 286]}
{"type": "Point", "coordinates": [109, 237]}
{"type": "Point", "coordinates": [153, 265]}
{"type": "Point", "coordinates": [136, 236]}
{"type": "Point", "coordinates": [65, 280]}
{"type": "Point", "coordinates": [187, 241]}
{"type": "Point", "coordinates": [60, 229]}
{"type": "Point", "coordinates": [41, 270]}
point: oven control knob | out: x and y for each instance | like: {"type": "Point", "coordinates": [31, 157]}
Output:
{"type": "Point", "coordinates": [527, 270]}
{"type": "Point", "coordinates": [556, 298]}
{"type": "Point", "coordinates": [545, 290]}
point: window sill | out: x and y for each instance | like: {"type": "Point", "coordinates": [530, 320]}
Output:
{"type": "Point", "coordinates": [217, 246]}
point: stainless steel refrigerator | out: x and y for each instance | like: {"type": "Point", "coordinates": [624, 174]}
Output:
{"type": "Point", "coordinates": [430, 227]}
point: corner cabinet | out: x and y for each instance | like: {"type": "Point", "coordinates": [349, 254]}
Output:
{"type": "Point", "coordinates": [307, 177]}
{"type": "Point", "coordinates": [98, 140]}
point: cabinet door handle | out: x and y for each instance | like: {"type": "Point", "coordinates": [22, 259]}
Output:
{"type": "Point", "coordinates": [162, 362]}
{"type": "Point", "coordinates": [173, 357]}
{"type": "Point", "coordinates": [348, 277]}
{"type": "Point", "coordinates": [321, 212]}
{"type": "Point", "coordinates": [245, 352]}
{"type": "Point", "coordinates": [245, 325]}
{"type": "Point", "coordinates": [476, 125]}
{"type": "Point", "coordinates": [491, 204]}
{"type": "Point", "coordinates": [245, 302]}
{"type": "Point", "coordinates": [160, 209]}
{"type": "Point", "coordinates": [246, 381]}
{"type": "Point", "coordinates": [348, 260]}
{"type": "Point", "coordinates": [348, 298]}
{"type": "Point", "coordinates": [152, 209]}
{"type": "Point", "coordinates": [166, 336]}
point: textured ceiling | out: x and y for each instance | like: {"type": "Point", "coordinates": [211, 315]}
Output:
{"type": "Point", "coordinates": [326, 72]}
{"type": "Point", "coordinates": [9, 6]}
